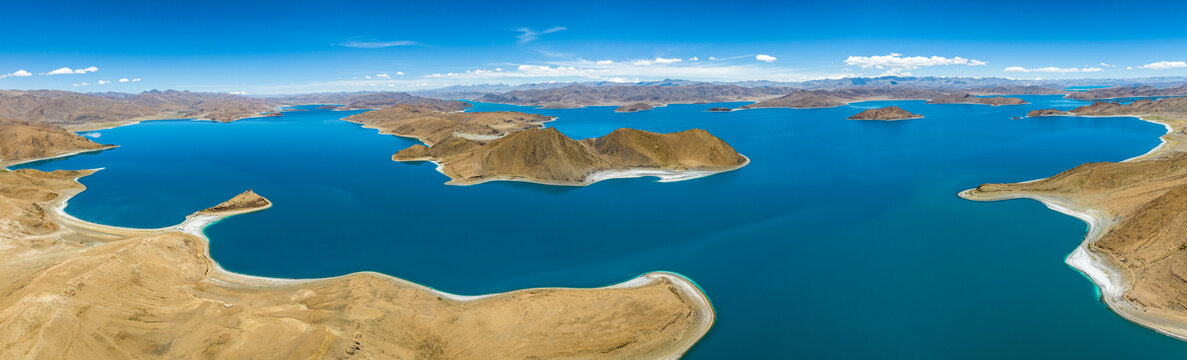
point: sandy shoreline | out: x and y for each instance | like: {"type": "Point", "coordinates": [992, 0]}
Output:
{"type": "Point", "coordinates": [1109, 279]}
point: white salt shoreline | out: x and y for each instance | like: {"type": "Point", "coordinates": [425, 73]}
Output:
{"type": "Point", "coordinates": [1109, 280]}
{"type": "Point", "coordinates": [664, 175]}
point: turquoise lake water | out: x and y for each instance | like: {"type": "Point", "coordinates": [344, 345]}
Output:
{"type": "Point", "coordinates": [841, 240]}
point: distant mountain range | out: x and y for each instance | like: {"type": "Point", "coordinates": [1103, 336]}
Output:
{"type": "Point", "coordinates": [71, 108]}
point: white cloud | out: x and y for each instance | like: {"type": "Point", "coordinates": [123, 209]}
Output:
{"type": "Point", "coordinates": [712, 58]}
{"type": "Point", "coordinates": [80, 84]}
{"type": "Point", "coordinates": [694, 58]}
{"type": "Point", "coordinates": [767, 58]}
{"type": "Point", "coordinates": [377, 44]}
{"type": "Point", "coordinates": [124, 80]}
{"type": "Point", "coordinates": [1052, 69]}
{"type": "Point", "coordinates": [658, 60]}
{"type": "Point", "coordinates": [527, 35]}
{"type": "Point", "coordinates": [66, 70]}
{"type": "Point", "coordinates": [1129, 68]}
{"type": "Point", "coordinates": [18, 73]}
{"type": "Point", "coordinates": [897, 64]}
{"type": "Point", "coordinates": [604, 62]}
{"type": "Point", "coordinates": [383, 76]}
{"type": "Point", "coordinates": [366, 76]}
{"type": "Point", "coordinates": [136, 80]}
{"type": "Point", "coordinates": [1164, 65]}
{"type": "Point", "coordinates": [1107, 64]}
{"type": "Point", "coordinates": [400, 73]}
{"type": "Point", "coordinates": [102, 82]}
{"type": "Point", "coordinates": [237, 92]}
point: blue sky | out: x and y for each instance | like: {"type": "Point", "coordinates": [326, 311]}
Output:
{"type": "Point", "coordinates": [268, 47]}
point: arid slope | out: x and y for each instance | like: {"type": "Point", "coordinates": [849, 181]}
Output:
{"type": "Point", "coordinates": [1137, 252]}
{"type": "Point", "coordinates": [431, 125]}
{"type": "Point", "coordinates": [22, 141]}
{"type": "Point", "coordinates": [547, 156]}
{"type": "Point", "coordinates": [75, 290]}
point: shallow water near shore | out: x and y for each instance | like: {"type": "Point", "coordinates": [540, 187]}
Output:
{"type": "Point", "coordinates": [841, 240]}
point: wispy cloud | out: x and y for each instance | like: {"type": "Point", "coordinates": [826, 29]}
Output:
{"type": "Point", "coordinates": [66, 70]}
{"type": "Point", "coordinates": [18, 73]}
{"type": "Point", "coordinates": [527, 35]}
{"type": "Point", "coordinates": [378, 44]}
{"type": "Point", "coordinates": [765, 58]}
{"type": "Point", "coordinates": [80, 84]}
{"type": "Point", "coordinates": [1052, 69]}
{"type": "Point", "coordinates": [657, 60]}
{"type": "Point", "coordinates": [1164, 65]}
{"type": "Point", "coordinates": [1107, 64]}
{"type": "Point", "coordinates": [895, 63]}
{"type": "Point", "coordinates": [102, 82]}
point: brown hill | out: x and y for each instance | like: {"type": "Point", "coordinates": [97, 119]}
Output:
{"type": "Point", "coordinates": [431, 126]}
{"type": "Point", "coordinates": [69, 108]}
{"type": "Point", "coordinates": [22, 141]}
{"type": "Point", "coordinates": [634, 107]}
{"type": "Point", "coordinates": [971, 99]}
{"type": "Point", "coordinates": [1046, 112]}
{"type": "Point", "coordinates": [886, 113]}
{"type": "Point", "coordinates": [547, 156]}
{"type": "Point", "coordinates": [1140, 107]}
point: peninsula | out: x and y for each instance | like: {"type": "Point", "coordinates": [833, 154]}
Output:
{"type": "Point", "coordinates": [1137, 212]}
{"type": "Point", "coordinates": [549, 157]}
{"type": "Point", "coordinates": [431, 125]}
{"type": "Point", "coordinates": [79, 290]}
{"type": "Point", "coordinates": [888, 113]}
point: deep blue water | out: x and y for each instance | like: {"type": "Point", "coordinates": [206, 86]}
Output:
{"type": "Point", "coordinates": [841, 240]}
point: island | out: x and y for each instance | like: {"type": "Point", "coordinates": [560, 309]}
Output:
{"type": "Point", "coordinates": [720, 109]}
{"type": "Point", "coordinates": [1046, 112]}
{"type": "Point", "coordinates": [633, 107]}
{"type": "Point", "coordinates": [72, 287]}
{"type": "Point", "coordinates": [1137, 214]}
{"type": "Point", "coordinates": [971, 99]}
{"type": "Point", "coordinates": [889, 113]}
{"type": "Point", "coordinates": [548, 157]}
{"type": "Point", "coordinates": [25, 141]}
{"type": "Point", "coordinates": [431, 125]}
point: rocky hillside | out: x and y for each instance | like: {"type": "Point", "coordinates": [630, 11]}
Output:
{"type": "Point", "coordinates": [70, 108]}
{"type": "Point", "coordinates": [22, 141]}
